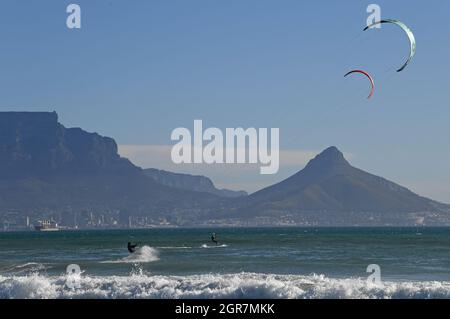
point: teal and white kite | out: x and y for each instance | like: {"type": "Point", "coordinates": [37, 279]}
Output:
{"type": "Point", "coordinates": [408, 32]}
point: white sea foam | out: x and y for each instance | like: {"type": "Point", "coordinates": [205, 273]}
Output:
{"type": "Point", "coordinates": [144, 254]}
{"type": "Point", "coordinates": [243, 285]}
{"type": "Point", "coordinates": [175, 247]}
{"type": "Point", "coordinates": [213, 246]}
{"type": "Point", "coordinates": [26, 268]}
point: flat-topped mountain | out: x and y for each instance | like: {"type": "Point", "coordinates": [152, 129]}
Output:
{"type": "Point", "coordinates": [48, 169]}
{"type": "Point", "coordinates": [35, 144]}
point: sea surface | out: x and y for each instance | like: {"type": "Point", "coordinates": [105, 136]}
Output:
{"type": "Point", "coordinates": [246, 263]}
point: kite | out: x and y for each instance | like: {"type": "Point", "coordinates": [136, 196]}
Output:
{"type": "Point", "coordinates": [368, 76]}
{"type": "Point", "coordinates": [409, 33]}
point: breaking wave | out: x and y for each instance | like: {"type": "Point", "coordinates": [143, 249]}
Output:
{"type": "Point", "coordinates": [242, 285]}
{"type": "Point", "coordinates": [144, 254]}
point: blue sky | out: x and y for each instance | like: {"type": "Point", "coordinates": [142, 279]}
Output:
{"type": "Point", "coordinates": [138, 69]}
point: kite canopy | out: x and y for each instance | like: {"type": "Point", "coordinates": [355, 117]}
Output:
{"type": "Point", "coordinates": [368, 76]}
{"type": "Point", "coordinates": [408, 32]}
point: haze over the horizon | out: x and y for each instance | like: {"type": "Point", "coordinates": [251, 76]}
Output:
{"type": "Point", "coordinates": [135, 71]}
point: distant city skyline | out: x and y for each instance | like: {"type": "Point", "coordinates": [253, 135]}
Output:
{"type": "Point", "coordinates": [135, 71]}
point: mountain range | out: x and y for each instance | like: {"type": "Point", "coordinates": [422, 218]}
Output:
{"type": "Point", "coordinates": [79, 179]}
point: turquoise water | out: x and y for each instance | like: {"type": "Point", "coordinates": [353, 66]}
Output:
{"type": "Point", "coordinates": [244, 256]}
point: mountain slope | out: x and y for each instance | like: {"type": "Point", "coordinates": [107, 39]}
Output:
{"type": "Point", "coordinates": [330, 188]}
{"type": "Point", "coordinates": [190, 182]}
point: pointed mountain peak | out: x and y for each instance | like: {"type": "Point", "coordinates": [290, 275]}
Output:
{"type": "Point", "coordinates": [332, 153]}
{"type": "Point", "coordinates": [331, 157]}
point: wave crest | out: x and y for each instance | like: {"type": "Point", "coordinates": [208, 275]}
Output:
{"type": "Point", "coordinates": [144, 254]}
{"type": "Point", "coordinates": [243, 285]}
{"type": "Point", "coordinates": [30, 267]}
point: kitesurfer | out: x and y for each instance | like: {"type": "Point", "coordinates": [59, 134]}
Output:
{"type": "Point", "coordinates": [214, 238]}
{"type": "Point", "coordinates": [131, 247]}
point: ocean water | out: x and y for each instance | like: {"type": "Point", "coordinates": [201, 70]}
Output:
{"type": "Point", "coordinates": [246, 263]}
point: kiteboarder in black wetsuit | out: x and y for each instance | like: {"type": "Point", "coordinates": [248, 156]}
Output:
{"type": "Point", "coordinates": [131, 247]}
{"type": "Point", "coordinates": [214, 238]}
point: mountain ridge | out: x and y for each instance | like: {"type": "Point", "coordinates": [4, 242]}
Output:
{"type": "Point", "coordinates": [198, 183]}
